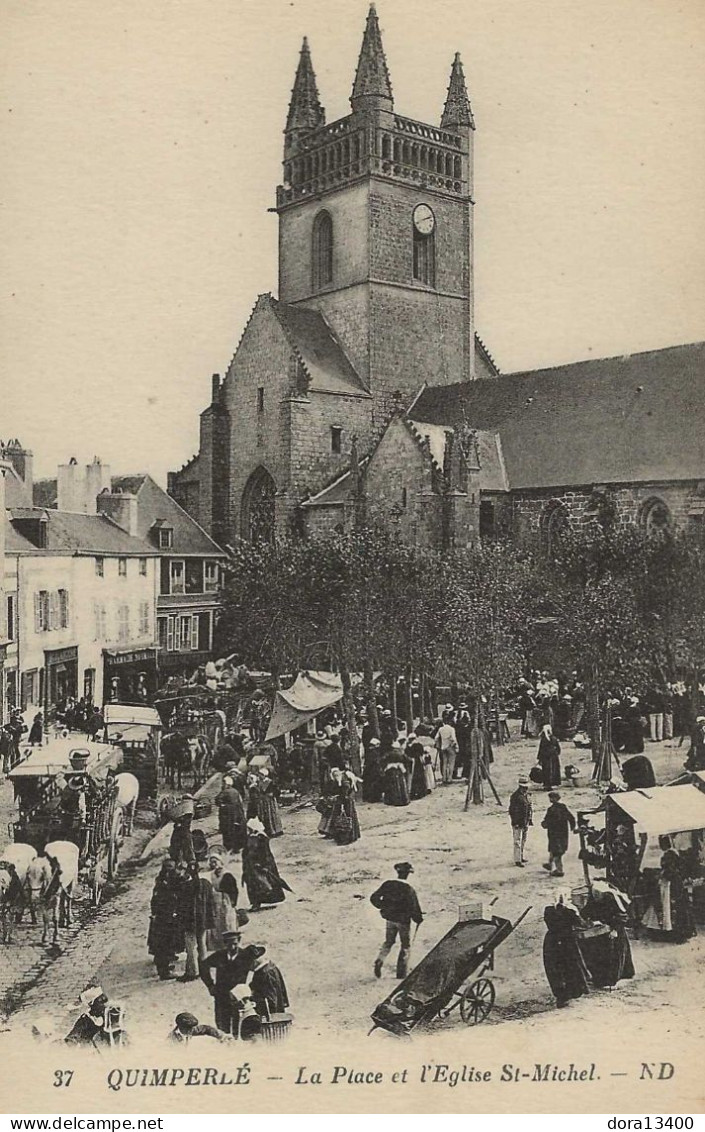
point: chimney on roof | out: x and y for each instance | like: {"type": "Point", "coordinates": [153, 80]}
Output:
{"type": "Point", "coordinates": [121, 508]}
{"type": "Point", "coordinates": [77, 488]}
{"type": "Point", "coordinates": [3, 603]}
{"type": "Point", "coordinates": [215, 389]}
{"type": "Point", "coordinates": [23, 463]}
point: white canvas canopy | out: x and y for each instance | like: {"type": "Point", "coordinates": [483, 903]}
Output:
{"type": "Point", "coordinates": [661, 810]}
{"type": "Point", "coordinates": [310, 694]}
{"type": "Point", "coordinates": [131, 713]}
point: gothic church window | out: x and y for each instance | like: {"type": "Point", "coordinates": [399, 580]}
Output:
{"type": "Point", "coordinates": [336, 440]}
{"type": "Point", "coordinates": [258, 507]}
{"type": "Point", "coordinates": [554, 524]}
{"type": "Point", "coordinates": [322, 250]}
{"type": "Point", "coordinates": [656, 518]}
{"type": "Point", "coordinates": [425, 258]}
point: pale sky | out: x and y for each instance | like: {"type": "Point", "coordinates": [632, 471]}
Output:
{"type": "Point", "coordinates": [142, 145]}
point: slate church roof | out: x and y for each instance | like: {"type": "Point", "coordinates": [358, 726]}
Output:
{"type": "Point", "coordinates": [631, 419]}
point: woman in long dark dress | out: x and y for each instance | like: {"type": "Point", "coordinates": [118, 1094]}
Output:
{"type": "Point", "coordinates": [231, 816]}
{"type": "Point", "coordinates": [670, 915]}
{"type": "Point", "coordinates": [343, 827]}
{"type": "Point", "coordinates": [372, 777]}
{"type": "Point", "coordinates": [419, 782]}
{"type": "Point", "coordinates": [608, 957]}
{"type": "Point", "coordinates": [396, 790]}
{"type": "Point", "coordinates": [260, 874]}
{"type": "Point", "coordinates": [165, 939]}
{"type": "Point", "coordinates": [263, 803]}
{"type": "Point", "coordinates": [562, 960]}
{"type": "Point", "coordinates": [548, 758]}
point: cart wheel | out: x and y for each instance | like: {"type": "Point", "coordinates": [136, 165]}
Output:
{"type": "Point", "coordinates": [477, 1001]}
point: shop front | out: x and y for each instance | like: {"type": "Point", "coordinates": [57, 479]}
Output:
{"type": "Point", "coordinates": [129, 675]}
{"type": "Point", "coordinates": [61, 676]}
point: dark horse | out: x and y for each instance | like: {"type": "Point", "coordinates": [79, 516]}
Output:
{"type": "Point", "coordinates": [183, 755]}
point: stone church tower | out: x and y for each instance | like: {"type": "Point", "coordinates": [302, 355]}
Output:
{"type": "Point", "coordinates": [375, 301]}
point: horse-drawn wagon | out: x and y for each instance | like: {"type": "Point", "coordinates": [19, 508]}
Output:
{"type": "Point", "coordinates": [137, 731]}
{"type": "Point", "coordinates": [68, 793]}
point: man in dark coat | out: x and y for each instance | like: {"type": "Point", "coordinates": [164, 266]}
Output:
{"type": "Point", "coordinates": [221, 972]}
{"type": "Point", "coordinates": [559, 823]}
{"type": "Point", "coordinates": [521, 815]}
{"type": "Point", "coordinates": [181, 847]}
{"type": "Point", "coordinates": [398, 905]}
{"type": "Point", "coordinates": [267, 985]}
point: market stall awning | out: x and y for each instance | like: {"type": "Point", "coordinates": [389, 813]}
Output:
{"type": "Point", "coordinates": [310, 693]}
{"type": "Point", "coordinates": [114, 714]}
{"type": "Point", "coordinates": [663, 809]}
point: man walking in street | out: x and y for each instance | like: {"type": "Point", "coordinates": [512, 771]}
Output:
{"type": "Point", "coordinates": [521, 814]}
{"type": "Point", "coordinates": [559, 823]}
{"type": "Point", "coordinates": [398, 905]}
{"type": "Point", "coordinates": [447, 745]}
{"type": "Point", "coordinates": [222, 972]}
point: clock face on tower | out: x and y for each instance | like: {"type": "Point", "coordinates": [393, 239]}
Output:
{"type": "Point", "coordinates": [424, 220]}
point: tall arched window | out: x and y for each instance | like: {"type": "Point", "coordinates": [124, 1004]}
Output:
{"type": "Point", "coordinates": [554, 522]}
{"type": "Point", "coordinates": [425, 258]}
{"type": "Point", "coordinates": [322, 251]}
{"type": "Point", "coordinates": [258, 508]}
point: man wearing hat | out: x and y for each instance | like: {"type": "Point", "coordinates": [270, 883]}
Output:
{"type": "Point", "coordinates": [521, 815]}
{"type": "Point", "coordinates": [398, 905]}
{"type": "Point", "coordinates": [181, 847]}
{"type": "Point", "coordinates": [187, 1026]}
{"type": "Point", "coordinates": [559, 823]}
{"type": "Point", "coordinates": [221, 972]}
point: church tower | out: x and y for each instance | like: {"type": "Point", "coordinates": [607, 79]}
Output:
{"type": "Point", "coordinates": [375, 227]}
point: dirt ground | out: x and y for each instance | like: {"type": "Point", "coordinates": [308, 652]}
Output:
{"type": "Point", "coordinates": [326, 935]}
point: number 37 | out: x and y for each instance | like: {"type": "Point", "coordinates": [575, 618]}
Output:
{"type": "Point", "coordinates": [62, 1077]}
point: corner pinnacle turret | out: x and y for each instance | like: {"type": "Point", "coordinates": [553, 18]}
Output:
{"type": "Point", "coordinates": [457, 110]}
{"type": "Point", "coordinates": [305, 110]}
{"type": "Point", "coordinates": [372, 88]}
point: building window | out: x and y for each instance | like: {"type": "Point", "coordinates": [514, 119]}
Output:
{"type": "Point", "coordinates": [177, 583]}
{"type": "Point", "coordinates": [184, 634]}
{"type": "Point", "coordinates": [64, 609]}
{"type": "Point", "coordinates": [100, 622]}
{"type": "Point", "coordinates": [11, 618]}
{"type": "Point", "coordinates": [123, 623]}
{"type": "Point", "coordinates": [656, 518]}
{"type": "Point", "coordinates": [194, 576]}
{"type": "Point", "coordinates": [554, 524]}
{"type": "Point", "coordinates": [144, 618]}
{"type": "Point", "coordinates": [162, 630]}
{"type": "Point", "coordinates": [122, 567]}
{"type": "Point", "coordinates": [143, 567]}
{"type": "Point", "coordinates": [210, 577]}
{"type": "Point", "coordinates": [336, 440]}
{"type": "Point", "coordinates": [322, 251]}
{"type": "Point", "coordinates": [170, 634]}
{"type": "Point", "coordinates": [166, 538]}
{"type": "Point", "coordinates": [404, 498]}
{"type": "Point", "coordinates": [260, 399]}
{"type": "Point", "coordinates": [99, 567]}
{"type": "Point", "coordinates": [425, 258]}
{"type": "Point", "coordinates": [487, 528]}
{"type": "Point", "coordinates": [42, 612]}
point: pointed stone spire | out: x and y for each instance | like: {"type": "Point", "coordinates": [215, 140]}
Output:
{"type": "Point", "coordinates": [372, 88]}
{"type": "Point", "coordinates": [305, 110]}
{"type": "Point", "coordinates": [457, 111]}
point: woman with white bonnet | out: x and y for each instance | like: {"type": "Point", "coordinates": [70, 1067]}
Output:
{"type": "Point", "coordinates": [562, 959]}
{"type": "Point", "coordinates": [225, 897]}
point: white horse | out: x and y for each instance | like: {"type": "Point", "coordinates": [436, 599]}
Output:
{"type": "Point", "coordinates": [41, 889]}
{"type": "Point", "coordinates": [66, 853]}
{"type": "Point", "coordinates": [128, 792]}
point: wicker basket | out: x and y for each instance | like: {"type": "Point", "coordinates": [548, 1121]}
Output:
{"type": "Point", "coordinates": [276, 1028]}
